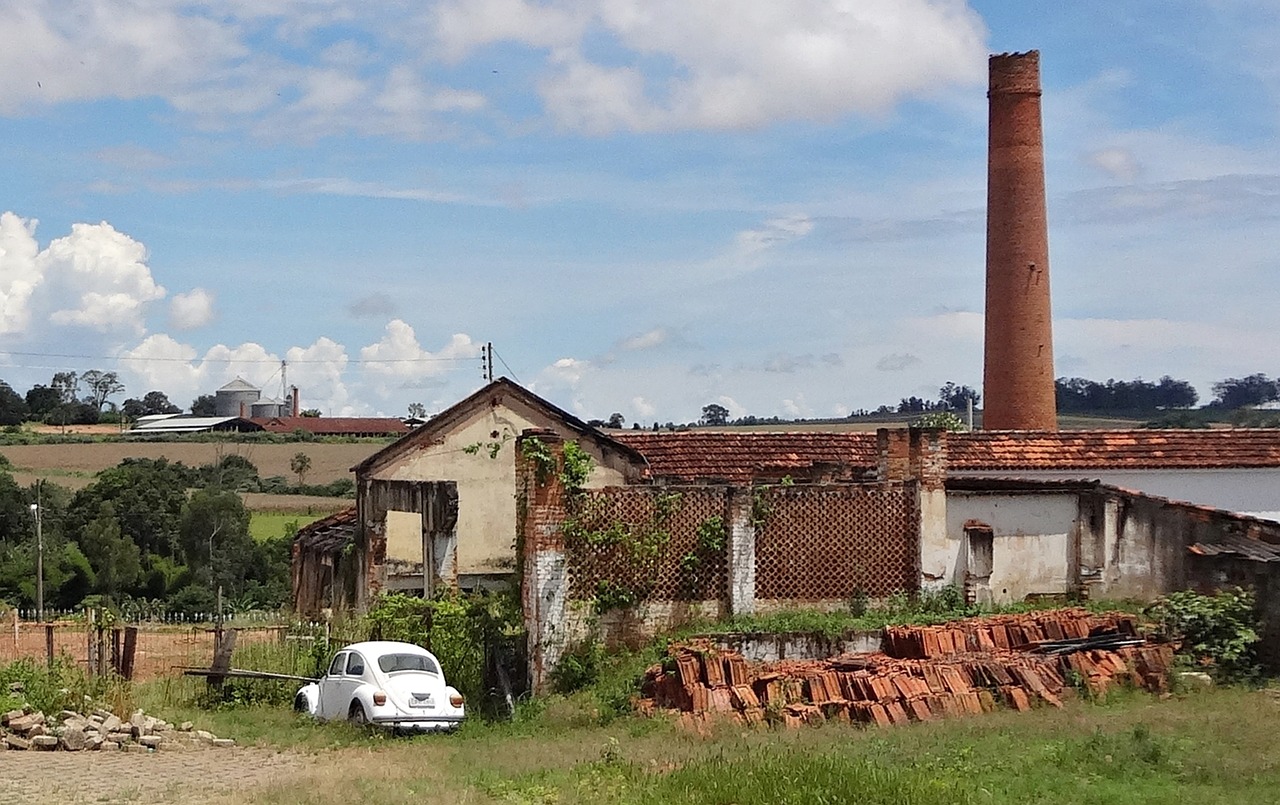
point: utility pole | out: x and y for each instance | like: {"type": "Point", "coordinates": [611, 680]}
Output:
{"type": "Point", "coordinates": [486, 361]}
{"type": "Point", "coordinates": [35, 510]}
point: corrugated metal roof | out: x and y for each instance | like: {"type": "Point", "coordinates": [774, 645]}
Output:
{"type": "Point", "coordinates": [239, 384]}
{"type": "Point", "coordinates": [189, 424]}
{"type": "Point", "coordinates": [1237, 546]}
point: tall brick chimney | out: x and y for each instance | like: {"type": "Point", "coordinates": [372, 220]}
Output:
{"type": "Point", "coordinates": [1018, 361]}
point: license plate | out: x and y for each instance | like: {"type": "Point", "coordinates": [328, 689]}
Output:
{"type": "Point", "coordinates": [420, 700]}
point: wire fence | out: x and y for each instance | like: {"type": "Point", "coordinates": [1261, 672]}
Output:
{"type": "Point", "coordinates": [165, 647]}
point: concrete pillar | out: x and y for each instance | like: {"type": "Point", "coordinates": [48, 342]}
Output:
{"type": "Point", "coordinates": [1018, 375]}
{"type": "Point", "coordinates": [927, 460]}
{"type": "Point", "coordinates": [742, 551]}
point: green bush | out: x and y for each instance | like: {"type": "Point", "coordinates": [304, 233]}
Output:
{"type": "Point", "coordinates": [579, 667]}
{"type": "Point", "coordinates": [1219, 631]}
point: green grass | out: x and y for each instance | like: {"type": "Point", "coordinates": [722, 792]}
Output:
{"type": "Point", "coordinates": [1211, 748]}
{"type": "Point", "coordinates": [265, 525]}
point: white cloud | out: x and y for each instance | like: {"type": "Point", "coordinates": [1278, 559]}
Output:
{"type": "Point", "coordinates": [1116, 163]}
{"type": "Point", "coordinates": [98, 278]}
{"type": "Point", "coordinates": [398, 361]}
{"type": "Point", "coordinates": [731, 64]}
{"type": "Point", "coordinates": [191, 310]}
{"type": "Point", "coordinates": [318, 372]}
{"type": "Point", "coordinates": [19, 270]}
{"type": "Point", "coordinates": [642, 408]}
{"type": "Point", "coordinates": [647, 340]}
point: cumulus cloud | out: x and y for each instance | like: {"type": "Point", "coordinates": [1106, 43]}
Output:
{"type": "Point", "coordinates": [642, 408]}
{"type": "Point", "coordinates": [96, 278]}
{"type": "Point", "coordinates": [398, 356]}
{"type": "Point", "coordinates": [191, 310]}
{"type": "Point", "coordinates": [19, 270]}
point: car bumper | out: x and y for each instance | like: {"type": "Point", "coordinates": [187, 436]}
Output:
{"type": "Point", "coordinates": [422, 724]}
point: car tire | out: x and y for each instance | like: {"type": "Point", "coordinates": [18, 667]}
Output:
{"type": "Point", "coordinates": [300, 704]}
{"type": "Point", "coordinates": [356, 715]}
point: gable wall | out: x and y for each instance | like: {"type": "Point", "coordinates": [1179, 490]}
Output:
{"type": "Point", "coordinates": [486, 528]}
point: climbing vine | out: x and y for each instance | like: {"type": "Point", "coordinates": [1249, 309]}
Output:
{"type": "Point", "coordinates": [633, 550]}
{"type": "Point", "coordinates": [575, 469]}
{"type": "Point", "coordinates": [544, 463]}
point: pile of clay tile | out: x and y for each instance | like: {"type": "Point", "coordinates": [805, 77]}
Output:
{"type": "Point", "coordinates": [925, 672]}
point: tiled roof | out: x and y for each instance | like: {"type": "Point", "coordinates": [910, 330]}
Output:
{"type": "Point", "coordinates": [987, 451]}
{"type": "Point", "coordinates": [329, 535]}
{"type": "Point", "coordinates": [739, 457]}
{"type": "Point", "coordinates": [333, 425]}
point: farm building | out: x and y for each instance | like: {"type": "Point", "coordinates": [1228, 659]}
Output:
{"type": "Point", "coordinates": [439, 506]}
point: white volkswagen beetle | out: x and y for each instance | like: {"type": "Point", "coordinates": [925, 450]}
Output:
{"type": "Point", "coordinates": [396, 685]}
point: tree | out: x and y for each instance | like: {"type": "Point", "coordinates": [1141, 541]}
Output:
{"type": "Point", "coordinates": [115, 559]}
{"type": "Point", "coordinates": [67, 384]}
{"type": "Point", "coordinates": [309, 412]}
{"type": "Point", "coordinates": [944, 420]}
{"type": "Point", "coordinates": [1237, 392]}
{"type": "Point", "coordinates": [13, 409]}
{"type": "Point", "coordinates": [204, 405]}
{"type": "Point", "coordinates": [215, 538]}
{"type": "Point", "coordinates": [714, 414]}
{"type": "Point", "coordinates": [41, 400]}
{"type": "Point", "coordinates": [300, 465]}
{"type": "Point", "coordinates": [100, 385]}
{"type": "Point", "coordinates": [417, 410]}
{"type": "Point", "coordinates": [956, 398]}
{"type": "Point", "coordinates": [157, 402]}
{"type": "Point", "coordinates": [616, 420]}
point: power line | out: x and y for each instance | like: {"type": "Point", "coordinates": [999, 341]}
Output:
{"type": "Point", "coordinates": [504, 365]}
{"type": "Point", "coordinates": [159, 359]}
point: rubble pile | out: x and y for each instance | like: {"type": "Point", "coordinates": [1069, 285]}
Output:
{"type": "Point", "coordinates": [99, 730]}
{"type": "Point", "coordinates": [948, 671]}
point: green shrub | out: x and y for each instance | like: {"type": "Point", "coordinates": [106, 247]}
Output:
{"type": "Point", "coordinates": [579, 667]}
{"type": "Point", "coordinates": [1217, 631]}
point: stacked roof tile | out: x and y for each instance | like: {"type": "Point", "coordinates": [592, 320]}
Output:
{"type": "Point", "coordinates": [330, 534]}
{"type": "Point", "coordinates": [335, 425]}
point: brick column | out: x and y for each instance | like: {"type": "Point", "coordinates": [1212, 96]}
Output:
{"type": "Point", "coordinates": [545, 583]}
{"type": "Point", "coordinates": [742, 551]}
{"type": "Point", "coordinates": [927, 450]}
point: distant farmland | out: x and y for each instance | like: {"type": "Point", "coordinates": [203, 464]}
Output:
{"type": "Point", "coordinates": [75, 465]}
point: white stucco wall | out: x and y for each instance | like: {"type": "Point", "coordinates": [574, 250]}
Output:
{"type": "Point", "coordinates": [1032, 543]}
{"type": "Point", "coordinates": [1246, 491]}
{"type": "Point", "coordinates": [486, 529]}
{"type": "Point", "coordinates": [404, 537]}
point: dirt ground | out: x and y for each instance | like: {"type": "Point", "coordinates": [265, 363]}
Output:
{"type": "Point", "coordinates": [194, 776]}
{"type": "Point", "coordinates": [74, 465]}
{"type": "Point", "coordinates": [160, 648]}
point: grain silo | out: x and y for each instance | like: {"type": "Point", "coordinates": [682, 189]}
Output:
{"type": "Point", "coordinates": [236, 398]}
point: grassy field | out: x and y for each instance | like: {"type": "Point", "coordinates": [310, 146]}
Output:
{"type": "Point", "coordinates": [1210, 747]}
{"type": "Point", "coordinates": [267, 524]}
{"type": "Point", "coordinates": [75, 465]}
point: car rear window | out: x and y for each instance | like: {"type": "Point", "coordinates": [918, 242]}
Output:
{"type": "Point", "coordinates": [390, 663]}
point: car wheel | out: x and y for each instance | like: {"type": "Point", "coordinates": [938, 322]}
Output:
{"type": "Point", "coordinates": [356, 715]}
{"type": "Point", "coordinates": [300, 704]}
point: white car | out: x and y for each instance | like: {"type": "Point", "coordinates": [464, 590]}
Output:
{"type": "Point", "coordinates": [396, 685]}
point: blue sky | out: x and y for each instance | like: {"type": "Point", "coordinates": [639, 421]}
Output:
{"type": "Point", "coordinates": [646, 205]}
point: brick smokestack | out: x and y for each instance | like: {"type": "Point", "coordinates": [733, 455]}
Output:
{"type": "Point", "coordinates": [1018, 361]}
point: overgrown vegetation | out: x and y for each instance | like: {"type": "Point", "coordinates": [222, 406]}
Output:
{"type": "Point", "coordinates": [1218, 633]}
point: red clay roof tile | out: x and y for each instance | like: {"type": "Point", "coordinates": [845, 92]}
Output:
{"type": "Point", "coordinates": [741, 457]}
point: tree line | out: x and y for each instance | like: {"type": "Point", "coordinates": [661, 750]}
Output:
{"type": "Point", "coordinates": [147, 535]}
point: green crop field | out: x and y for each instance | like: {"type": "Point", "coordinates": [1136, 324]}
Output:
{"type": "Point", "coordinates": [270, 524]}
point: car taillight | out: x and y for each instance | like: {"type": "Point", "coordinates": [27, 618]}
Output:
{"type": "Point", "coordinates": [456, 700]}
{"type": "Point", "coordinates": [379, 698]}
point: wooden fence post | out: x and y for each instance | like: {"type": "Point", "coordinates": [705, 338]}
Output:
{"type": "Point", "coordinates": [222, 650]}
{"type": "Point", "coordinates": [48, 643]}
{"type": "Point", "coordinates": [130, 647]}
{"type": "Point", "coordinates": [92, 647]}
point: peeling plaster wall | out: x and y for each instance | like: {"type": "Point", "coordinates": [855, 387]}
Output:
{"type": "Point", "coordinates": [1033, 544]}
{"type": "Point", "coordinates": [487, 486]}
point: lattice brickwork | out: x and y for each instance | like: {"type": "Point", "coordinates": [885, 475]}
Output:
{"type": "Point", "coordinates": [827, 543]}
{"type": "Point", "coordinates": [640, 540]}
